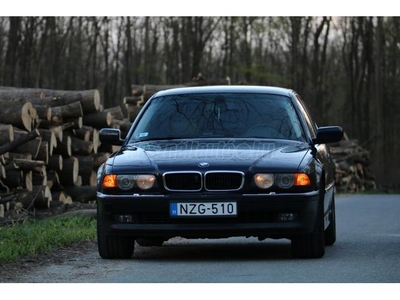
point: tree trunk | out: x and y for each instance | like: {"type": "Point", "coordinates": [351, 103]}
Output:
{"type": "Point", "coordinates": [90, 99]}
{"type": "Point", "coordinates": [18, 115]}
{"type": "Point", "coordinates": [50, 137]}
{"type": "Point", "coordinates": [55, 163]}
{"type": "Point", "coordinates": [13, 93]}
{"type": "Point", "coordinates": [83, 193]}
{"type": "Point", "coordinates": [64, 147]}
{"type": "Point", "coordinates": [99, 159]}
{"type": "Point", "coordinates": [69, 174]}
{"type": "Point", "coordinates": [22, 139]}
{"type": "Point", "coordinates": [39, 197]}
{"type": "Point", "coordinates": [116, 112]}
{"type": "Point", "coordinates": [98, 120]}
{"type": "Point", "coordinates": [6, 134]}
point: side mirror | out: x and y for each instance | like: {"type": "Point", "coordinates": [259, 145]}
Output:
{"type": "Point", "coordinates": [111, 136]}
{"type": "Point", "coordinates": [328, 134]}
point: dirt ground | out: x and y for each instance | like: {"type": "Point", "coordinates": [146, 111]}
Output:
{"type": "Point", "coordinates": [10, 271]}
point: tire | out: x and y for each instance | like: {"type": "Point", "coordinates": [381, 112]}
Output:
{"type": "Point", "coordinates": [156, 242]}
{"type": "Point", "coordinates": [113, 246]}
{"type": "Point", "coordinates": [312, 245]}
{"type": "Point", "coordinates": [330, 231]}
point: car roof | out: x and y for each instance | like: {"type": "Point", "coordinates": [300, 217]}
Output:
{"type": "Point", "coordinates": [226, 89]}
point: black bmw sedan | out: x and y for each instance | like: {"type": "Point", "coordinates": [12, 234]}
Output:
{"type": "Point", "coordinates": [216, 162]}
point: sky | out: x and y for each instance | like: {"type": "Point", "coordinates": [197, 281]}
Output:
{"type": "Point", "coordinates": [200, 8]}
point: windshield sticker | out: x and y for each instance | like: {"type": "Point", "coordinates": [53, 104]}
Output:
{"type": "Point", "coordinates": [143, 134]}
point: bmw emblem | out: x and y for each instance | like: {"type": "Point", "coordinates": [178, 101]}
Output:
{"type": "Point", "coordinates": [204, 164]}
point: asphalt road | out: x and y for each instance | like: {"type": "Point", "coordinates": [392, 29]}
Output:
{"type": "Point", "coordinates": [367, 251]}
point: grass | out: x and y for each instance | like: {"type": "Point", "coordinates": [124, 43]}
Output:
{"type": "Point", "coordinates": [39, 236]}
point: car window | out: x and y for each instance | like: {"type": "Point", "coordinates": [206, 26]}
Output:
{"type": "Point", "coordinates": [219, 115]}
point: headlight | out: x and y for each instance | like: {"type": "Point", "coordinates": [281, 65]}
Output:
{"type": "Point", "coordinates": [145, 182]}
{"type": "Point", "coordinates": [264, 181]}
{"type": "Point", "coordinates": [284, 181]}
{"type": "Point", "coordinates": [126, 182]}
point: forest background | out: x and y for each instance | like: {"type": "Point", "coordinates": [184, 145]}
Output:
{"type": "Point", "coordinates": [345, 68]}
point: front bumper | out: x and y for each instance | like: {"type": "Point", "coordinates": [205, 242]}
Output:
{"type": "Point", "coordinates": [257, 215]}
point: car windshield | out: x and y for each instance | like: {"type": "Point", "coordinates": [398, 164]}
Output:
{"type": "Point", "coordinates": [227, 115]}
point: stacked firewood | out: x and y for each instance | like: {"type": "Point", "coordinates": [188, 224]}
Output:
{"type": "Point", "coordinates": [49, 148]}
{"type": "Point", "coordinates": [352, 164]}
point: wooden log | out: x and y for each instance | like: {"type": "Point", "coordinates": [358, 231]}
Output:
{"type": "Point", "coordinates": [98, 120]}
{"type": "Point", "coordinates": [72, 110]}
{"type": "Point", "coordinates": [19, 141]}
{"type": "Point", "coordinates": [53, 179]}
{"type": "Point", "coordinates": [39, 197]}
{"type": "Point", "coordinates": [137, 90]}
{"type": "Point", "coordinates": [133, 111]}
{"type": "Point", "coordinates": [76, 122]}
{"type": "Point", "coordinates": [55, 163]}
{"type": "Point", "coordinates": [49, 136]}
{"type": "Point", "coordinates": [13, 179]}
{"type": "Point", "coordinates": [2, 172]}
{"type": "Point", "coordinates": [132, 100]}
{"type": "Point", "coordinates": [116, 112]}
{"type": "Point", "coordinates": [24, 164]}
{"type": "Point", "coordinates": [83, 133]}
{"type": "Point", "coordinates": [39, 178]}
{"type": "Point", "coordinates": [58, 131]}
{"type": "Point", "coordinates": [99, 159]}
{"type": "Point", "coordinates": [18, 115]}
{"type": "Point", "coordinates": [69, 174]}
{"type": "Point", "coordinates": [88, 176]}
{"type": "Point", "coordinates": [27, 180]}
{"type": "Point", "coordinates": [15, 155]}
{"type": "Point", "coordinates": [14, 93]}
{"type": "Point", "coordinates": [62, 197]}
{"type": "Point", "coordinates": [32, 147]}
{"type": "Point", "coordinates": [95, 139]}
{"type": "Point", "coordinates": [8, 197]}
{"type": "Point", "coordinates": [90, 99]}
{"type": "Point", "coordinates": [81, 147]}
{"type": "Point", "coordinates": [64, 123]}
{"type": "Point", "coordinates": [64, 147]}
{"type": "Point", "coordinates": [6, 134]}
{"type": "Point", "coordinates": [43, 112]}
{"type": "Point", "coordinates": [82, 193]}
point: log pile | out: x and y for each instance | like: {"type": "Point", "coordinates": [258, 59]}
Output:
{"type": "Point", "coordinates": [49, 148]}
{"type": "Point", "coordinates": [352, 164]}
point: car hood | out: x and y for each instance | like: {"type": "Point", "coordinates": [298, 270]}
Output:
{"type": "Point", "coordinates": [243, 155]}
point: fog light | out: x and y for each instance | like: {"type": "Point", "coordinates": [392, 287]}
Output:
{"type": "Point", "coordinates": [125, 218]}
{"type": "Point", "coordinates": [285, 217]}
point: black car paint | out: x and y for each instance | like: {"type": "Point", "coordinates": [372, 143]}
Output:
{"type": "Point", "coordinates": [245, 155]}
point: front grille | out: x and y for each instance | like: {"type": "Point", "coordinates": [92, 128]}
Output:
{"type": "Point", "coordinates": [192, 181]}
{"type": "Point", "coordinates": [223, 181]}
{"type": "Point", "coordinates": [183, 181]}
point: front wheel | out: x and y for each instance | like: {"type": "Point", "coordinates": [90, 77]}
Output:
{"type": "Point", "coordinates": [113, 246]}
{"type": "Point", "coordinates": [330, 231]}
{"type": "Point", "coordinates": [312, 245]}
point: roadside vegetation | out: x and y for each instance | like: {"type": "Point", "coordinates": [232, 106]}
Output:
{"type": "Point", "coordinates": [39, 236]}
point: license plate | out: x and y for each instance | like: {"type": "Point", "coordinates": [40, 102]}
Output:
{"type": "Point", "coordinates": [190, 209]}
